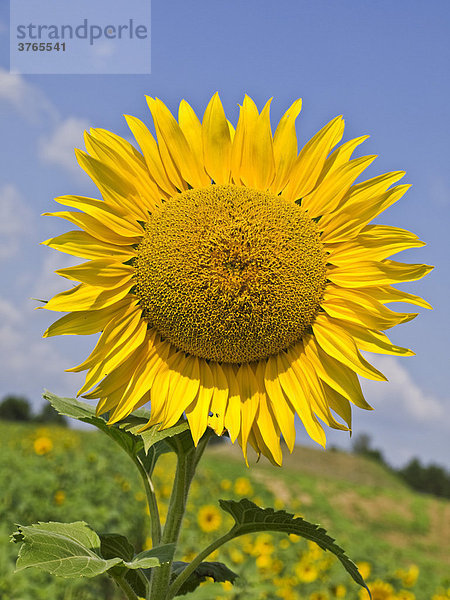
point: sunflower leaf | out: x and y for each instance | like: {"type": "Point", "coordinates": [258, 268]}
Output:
{"type": "Point", "coordinates": [250, 518]}
{"type": "Point", "coordinates": [71, 407]}
{"type": "Point", "coordinates": [151, 436]}
{"type": "Point", "coordinates": [75, 550]}
{"type": "Point", "coordinates": [64, 549]}
{"type": "Point", "coordinates": [216, 570]}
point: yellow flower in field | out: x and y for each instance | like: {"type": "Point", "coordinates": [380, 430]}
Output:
{"type": "Point", "coordinates": [364, 568]}
{"type": "Point", "coordinates": [243, 487]}
{"type": "Point", "coordinates": [319, 596]}
{"type": "Point", "coordinates": [236, 556]}
{"type": "Point", "coordinates": [380, 590]}
{"type": "Point", "coordinates": [408, 576]}
{"type": "Point", "coordinates": [233, 279]}
{"type": "Point", "coordinates": [306, 571]}
{"type": "Point", "coordinates": [209, 518]}
{"type": "Point", "coordinates": [340, 591]}
{"type": "Point", "coordinates": [43, 445]}
{"type": "Point", "coordinates": [227, 585]}
{"type": "Point", "coordinates": [404, 595]}
{"type": "Point", "coordinates": [264, 561]}
{"type": "Point", "coordinates": [59, 497]}
{"type": "Point", "coordinates": [263, 544]}
{"type": "Point", "coordinates": [226, 484]}
{"type": "Point", "coordinates": [314, 551]}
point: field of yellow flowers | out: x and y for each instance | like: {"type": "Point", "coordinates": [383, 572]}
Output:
{"type": "Point", "coordinates": [400, 540]}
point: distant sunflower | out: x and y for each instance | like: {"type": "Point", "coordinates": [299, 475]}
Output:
{"type": "Point", "coordinates": [233, 280]}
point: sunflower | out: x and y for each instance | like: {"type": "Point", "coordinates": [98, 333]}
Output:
{"type": "Point", "coordinates": [234, 280]}
{"type": "Point", "coordinates": [209, 518]}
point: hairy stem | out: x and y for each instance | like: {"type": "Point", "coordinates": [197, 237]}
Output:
{"type": "Point", "coordinates": [184, 575]}
{"type": "Point", "coordinates": [126, 588]}
{"type": "Point", "coordinates": [152, 504]}
{"type": "Point", "coordinates": [186, 466]}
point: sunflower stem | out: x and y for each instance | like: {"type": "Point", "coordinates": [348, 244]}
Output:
{"type": "Point", "coordinates": [126, 588]}
{"type": "Point", "coordinates": [155, 522]}
{"type": "Point", "coordinates": [186, 466]}
{"type": "Point", "coordinates": [184, 575]}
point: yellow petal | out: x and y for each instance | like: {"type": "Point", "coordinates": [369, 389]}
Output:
{"type": "Point", "coordinates": [262, 163]}
{"type": "Point", "coordinates": [361, 308]}
{"type": "Point", "coordinates": [309, 164]}
{"type": "Point", "coordinates": [341, 378]}
{"type": "Point", "coordinates": [375, 242]}
{"type": "Point", "coordinates": [285, 147]}
{"type": "Point", "coordinates": [183, 390]}
{"type": "Point", "coordinates": [134, 337]}
{"type": "Point", "coordinates": [151, 154]}
{"type": "Point", "coordinates": [216, 142]}
{"type": "Point", "coordinates": [175, 152]}
{"type": "Point", "coordinates": [86, 322]}
{"type": "Point", "coordinates": [375, 341]}
{"type": "Point", "coordinates": [96, 228]}
{"type": "Point", "coordinates": [145, 369]}
{"type": "Point", "coordinates": [249, 393]}
{"type": "Point", "coordinates": [233, 412]}
{"type": "Point", "coordinates": [216, 420]}
{"type": "Point", "coordinates": [197, 412]}
{"type": "Point", "coordinates": [283, 411]}
{"type": "Point", "coordinates": [340, 156]}
{"type": "Point", "coordinates": [366, 274]}
{"type": "Point", "coordinates": [134, 203]}
{"type": "Point", "coordinates": [114, 334]}
{"type": "Point", "coordinates": [297, 390]}
{"type": "Point", "coordinates": [102, 272]}
{"type": "Point", "coordinates": [327, 196]}
{"type": "Point", "coordinates": [86, 297]}
{"type": "Point", "coordinates": [350, 218]}
{"type": "Point", "coordinates": [338, 344]}
{"type": "Point", "coordinates": [389, 294]}
{"type": "Point", "coordinates": [80, 243]}
{"type": "Point", "coordinates": [241, 149]}
{"type": "Point", "coordinates": [115, 218]}
{"type": "Point", "coordinates": [269, 431]}
{"type": "Point", "coordinates": [339, 404]}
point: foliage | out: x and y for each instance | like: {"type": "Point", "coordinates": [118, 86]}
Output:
{"type": "Point", "coordinates": [15, 408]}
{"type": "Point", "coordinates": [86, 477]}
{"type": "Point", "coordinates": [431, 479]}
{"type": "Point", "coordinates": [18, 408]}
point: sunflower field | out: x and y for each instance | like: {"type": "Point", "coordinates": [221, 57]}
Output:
{"type": "Point", "coordinates": [399, 539]}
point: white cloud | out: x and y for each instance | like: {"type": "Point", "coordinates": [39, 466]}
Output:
{"type": "Point", "coordinates": [58, 148]}
{"type": "Point", "coordinates": [27, 99]}
{"type": "Point", "coordinates": [15, 220]}
{"type": "Point", "coordinates": [414, 403]}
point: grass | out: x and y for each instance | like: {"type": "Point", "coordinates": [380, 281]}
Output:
{"type": "Point", "coordinates": [371, 513]}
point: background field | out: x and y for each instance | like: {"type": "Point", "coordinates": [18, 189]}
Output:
{"type": "Point", "coordinates": [60, 474]}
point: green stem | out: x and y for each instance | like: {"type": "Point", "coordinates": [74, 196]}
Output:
{"type": "Point", "coordinates": [126, 588]}
{"type": "Point", "coordinates": [186, 466]}
{"type": "Point", "coordinates": [184, 575]}
{"type": "Point", "coordinates": [152, 504]}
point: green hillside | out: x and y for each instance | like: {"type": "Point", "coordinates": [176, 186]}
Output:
{"type": "Point", "coordinates": [66, 475]}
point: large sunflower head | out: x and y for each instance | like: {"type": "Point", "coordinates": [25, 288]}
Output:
{"type": "Point", "coordinates": [233, 279]}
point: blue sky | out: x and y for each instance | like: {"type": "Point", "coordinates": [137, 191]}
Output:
{"type": "Point", "coordinates": [383, 65]}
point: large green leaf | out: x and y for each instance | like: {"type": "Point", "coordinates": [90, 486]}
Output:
{"type": "Point", "coordinates": [75, 550]}
{"type": "Point", "coordinates": [250, 518]}
{"type": "Point", "coordinates": [216, 570]}
{"type": "Point", "coordinates": [64, 549]}
{"type": "Point", "coordinates": [70, 407]}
